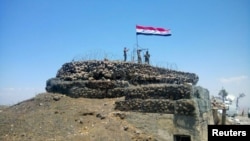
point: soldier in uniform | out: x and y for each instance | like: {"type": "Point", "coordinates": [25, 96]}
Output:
{"type": "Point", "coordinates": [147, 55]}
{"type": "Point", "coordinates": [125, 53]}
{"type": "Point", "coordinates": [139, 55]}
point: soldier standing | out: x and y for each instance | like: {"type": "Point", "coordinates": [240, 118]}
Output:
{"type": "Point", "coordinates": [147, 55]}
{"type": "Point", "coordinates": [125, 53]}
{"type": "Point", "coordinates": [139, 55]}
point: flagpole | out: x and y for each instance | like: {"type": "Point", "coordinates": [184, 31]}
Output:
{"type": "Point", "coordinates": [137, 45]}
{"type": "Point", "coordinates": [137, 41]}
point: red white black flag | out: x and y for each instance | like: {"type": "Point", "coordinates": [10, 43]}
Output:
{"type": "Point", "coordinates": [148, 30]}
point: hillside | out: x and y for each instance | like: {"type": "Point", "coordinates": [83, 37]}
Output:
{"type": "Point", "coordinates": [58, 117]}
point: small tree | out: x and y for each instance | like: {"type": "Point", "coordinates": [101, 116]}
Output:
{"type": "Point", "coordinates": [240, 96]}
{"type": "Point", "coordinates": [223, 93]}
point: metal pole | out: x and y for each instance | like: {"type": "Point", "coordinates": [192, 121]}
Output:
{"type": "Point", "coordinates": [137, 46]}
{"type": "Point", "coordinates": [137, 41]}
{"type": "Point", "coordinates": [223, 118]}
{"type": "Point", "coordinates": [215, 116]}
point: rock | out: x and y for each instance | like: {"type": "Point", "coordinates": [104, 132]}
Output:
{"type": "Point", "coordinates": [23, 135]}
{"type": "Point", "coordinates": [120, 115]}
{"type": "Point", "coordinates": [88, 113]}
{"type": "Point", "coordinates": [125, 128]}
{"type": "Point", "coordinates": [100, 116]}
{"type": "Point", "coordinates": [56, 98]}
{"type": "Point", "coordinates": [81, 121]}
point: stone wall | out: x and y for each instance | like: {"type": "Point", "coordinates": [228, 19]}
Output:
{"type": "Point", "coordinates": [146, 88]}
{"type": "Point", "coordinates": [180, 107]}
{"type": "Point", "coordinates": [182, 102]}
{"type": "Point", "coordinates": [160, 91]}
{"type": "Point", "coordinates": [132, 72]}
{"type": "Point", "coordinates": [100, 79]}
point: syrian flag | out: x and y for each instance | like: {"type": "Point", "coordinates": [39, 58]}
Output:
{"type": "Point", "coordinates": [148, 30]}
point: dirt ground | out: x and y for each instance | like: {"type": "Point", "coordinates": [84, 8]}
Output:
{"type": "Point", "coordinates": [240, 120]}
{"type": "Point", "coordinates": [56, 117]}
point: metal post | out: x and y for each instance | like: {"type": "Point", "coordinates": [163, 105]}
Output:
{"type": "Point", "coordinates": [137, 41]}
{"type": "Point", "coordinates": [137, 46]}
{"type": "Point", "coordinates": [223, 118]}
{"type": "Point", "coordinates": [215, 116]}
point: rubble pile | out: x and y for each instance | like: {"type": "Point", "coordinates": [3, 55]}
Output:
{"type": "Point", "coordinates": [146, 88]}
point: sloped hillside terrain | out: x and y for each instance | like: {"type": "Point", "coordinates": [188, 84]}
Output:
{"type": "Point", "coordinates": [56, 117]}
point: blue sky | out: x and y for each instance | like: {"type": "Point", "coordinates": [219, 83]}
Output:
{"type": "Point", "coordinates": [210, 38]}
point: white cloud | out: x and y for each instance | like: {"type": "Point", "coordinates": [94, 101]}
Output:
{"type": "Point", "coordinates": [235, 86]}
{"type": "Point", "coordinates": [236, 79]}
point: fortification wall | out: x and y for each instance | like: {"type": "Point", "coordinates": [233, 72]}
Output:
{"type": "Point", "coordinates": [145, 88]}
{"type": "Point", "coordinates": [180, 107]}
{"type": "Point", "coordinates": [189, 100]}
{"type": "Point", "coordinates": [132, 72]}
{"type": "Point", "coordinates": [76, 79]}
